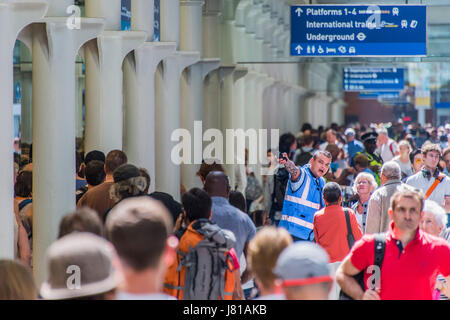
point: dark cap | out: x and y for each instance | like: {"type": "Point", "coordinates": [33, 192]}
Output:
{"type": "Point", "coordinates": [169, 202]}
{"type": "Point", "coordinates": [125, 171]}
{"type": "Point", "coordinates": [94, 155]}
{"type": "Point", "coordinates": [369, 136]}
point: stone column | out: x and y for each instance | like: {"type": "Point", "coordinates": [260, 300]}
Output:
{"type": "Point", "coordinates": [55, 48]}
{"type": "Point", "coordinates": [14, 16]}
{"type": "Point", "coordinates": [104, 78]}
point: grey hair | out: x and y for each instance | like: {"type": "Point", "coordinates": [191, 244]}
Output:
{"type": "Point", "coordinates": [364, 175]}
{"type": "Point", "coordinates": [439, 213]}
{"type": "Point", "coordinates": [130, 187]}
{"type": "Point", "coordinates": [321, 153]}
{"type": "Point", "coordinates": [391, 170]}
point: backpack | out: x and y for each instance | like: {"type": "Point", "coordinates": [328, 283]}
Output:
{"type": "Point", "coordinates": [380, 246]}
{"type": "Point", "coordinates": [279, 190]}
{"type": "Point", "coordinates": [254, 188]}
{"type": "Point", "coordinates": [206, 267]}
{"type": "Point", "coordinates": [302, 158]}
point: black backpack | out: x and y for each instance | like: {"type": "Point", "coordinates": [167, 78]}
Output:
{"type": "Point", "coordinates": [380, 246]}
{"type": "Point", "coordinates": [279, 190]}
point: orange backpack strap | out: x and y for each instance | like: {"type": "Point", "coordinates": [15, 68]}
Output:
{"type": "Point", "coordinates": [434, 185]}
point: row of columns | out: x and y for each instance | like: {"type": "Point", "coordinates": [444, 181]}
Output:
{"type": "Point", "coordinates": [139, 92]}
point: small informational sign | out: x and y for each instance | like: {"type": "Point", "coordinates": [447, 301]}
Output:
{"type": "Point", "coordinates": [358, 30]}
{"type": "Point", "coordinates": [373, 79]}
{"type": "Point", "coordinates": [379, 95]}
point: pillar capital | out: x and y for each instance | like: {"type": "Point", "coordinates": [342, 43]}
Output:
{"type": "Point", "coordinates": [213, 7]}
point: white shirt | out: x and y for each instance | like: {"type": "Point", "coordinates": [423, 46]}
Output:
{"type": "Point", "coordinates": [406, 168]}
{"type": "Point", "coordinates": [385, 150]}
{"type": "Point", "coordinates": [442, 190]}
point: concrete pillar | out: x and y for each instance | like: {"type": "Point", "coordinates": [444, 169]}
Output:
{"type": "Point", "coordinates": [337, 111]}
{"type": "Point", "coordinates": [104, 78]}
{"type": "Point", "coordinates": [54, 52]}
{"type": "Point", "coordinates": [139, 90]}
{"type": "Point", "coordinates": [191, 26]}
{"type": "Point", "coordinates": [13, 18]}
{"type": "Point", "coordinates": [167, 113]}
{"type": "Point", "coordinates": [168, 120]}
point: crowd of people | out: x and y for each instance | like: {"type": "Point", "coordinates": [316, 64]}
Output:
{"type": "Point", "coordinates": [345, 212]}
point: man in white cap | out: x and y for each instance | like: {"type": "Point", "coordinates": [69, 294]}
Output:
{"type": "Point", "coordinates": [81, 266]}
{"type": "Point", "coordinates": [302, 270]}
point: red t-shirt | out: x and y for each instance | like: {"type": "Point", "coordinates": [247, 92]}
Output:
{"type": "Point", "coordinates": [330, 231]}
{"type": "Point", "coordinates": [406, 273]}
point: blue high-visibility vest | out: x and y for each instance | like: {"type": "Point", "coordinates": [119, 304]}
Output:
{"type": "Point", "coordinates": [300, 206]}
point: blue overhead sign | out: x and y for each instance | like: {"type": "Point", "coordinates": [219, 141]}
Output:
{"type": "Point", "coordinates": [373, 79]}
{"type": "Point", "coordinates": [358, 30]}
{"type": "Point", "coordinates": [379, 95]}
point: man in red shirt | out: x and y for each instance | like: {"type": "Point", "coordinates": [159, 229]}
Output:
{"type": "Point", "coordinates": [412, 258]}
{"type": "Point", "coordinates": [330, 224]}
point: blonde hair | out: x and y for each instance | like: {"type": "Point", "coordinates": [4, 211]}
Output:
{"type": "Point", "coordinates": [365, 175]}
{"type": "Point", "coordinates": [405, 143]}
{"type": "Point", "coordinates": [263, 252]}
{"type": "Point", "coordinates": [16, 281]}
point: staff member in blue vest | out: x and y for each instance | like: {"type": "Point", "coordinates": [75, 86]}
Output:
{"type": "Point", "coordinates": [304, 196]}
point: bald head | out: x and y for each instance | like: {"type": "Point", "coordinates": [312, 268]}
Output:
{"type": "Point", "coordinates": [217, 185]}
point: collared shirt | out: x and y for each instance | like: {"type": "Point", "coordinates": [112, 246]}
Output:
{"type": "Point", "coordinates": [362, 218]}
{"type": "Point", "coordinates": [231, 218]}
{"type": "Point", "coordinates": [407, 273]}
{"type": "Point", "coordinates": [330, 231]}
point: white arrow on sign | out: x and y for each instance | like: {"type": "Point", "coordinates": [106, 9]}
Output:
{"type": "Point", "coordinates": [299, 11]}
{"type": "Point", "coordinates": [299, 49]}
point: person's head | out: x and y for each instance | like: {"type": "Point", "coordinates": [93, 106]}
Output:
{"type": "Point", "coordinates": [434, 218]}
{"type": "Point", "coordinates": [334, 150]}
{"type": "Point", "coordinates": [350, 134]}
{"type": "Point", "coordinates": [95, 173]}
{"type": "Point", "coordinates": [16, 281]}
{"type": "Point", "coordinates": [390, 171]}
{"type": "Point", "coordinates": [140, 228]}
{"type": "Point", "coordinates": [370, 141]}
{"type": "Point", "coordinates": [302, 270]}
{"type": "Point", "coordinates": [174, 207]}
{"type": "Point", "coordinates": [361, 162]}
{"type": "Point", "coordinates": [208, 166]}
{"type": "Point", "coordinates": [80, 266]}
{"type": "Point", "coordinates": [24, 184]}
{"type": "Point", "coordinates": [431, 155]}
{"type": "Point", "coordinates": [128, 182]}
{"type": "Point", "coordinates": [382, 135]}
{"type": "Point", "coordinates": [446, 158]}
{"type": "Point", "coordinates": [217, 184]}
{"type": "Point", "coordinates": [114, 159]}
{"type": "Point", "coordinates": [320, 163]}
{"type": "Point", "coordinates": [197, 205]}
{"type": "Point", "coordinates": [144, 173]}
{"type": "Point", "coordinates": [404, 148]}
{"type": "Point", "coordinates": [237, 200]}
{"type": "Point", "coordinates": [263, 252]}
{"type": "Point", "coordinates": [332, 194]}
{"type": "Point", "coordinates": [306, 126]}
{"type": "Point", "coordinates": [94, 155]}
{"type": "Point", "coordinates": [331, 136]}
{"type": "Point", "coordinates": [307, 140]}
{"type": "Point", "coordinates": [416, 159]}
{"type": "Point", "coordinates": [82, 220]}
{"type": "Point", "coordinates": [287, 143]}
{"type": "Point", "coordinates": [406, 208]}
{"type": "Point", "coordinates": [364, 184]}
{"type": "Point", "coordinates": [259, 218]}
